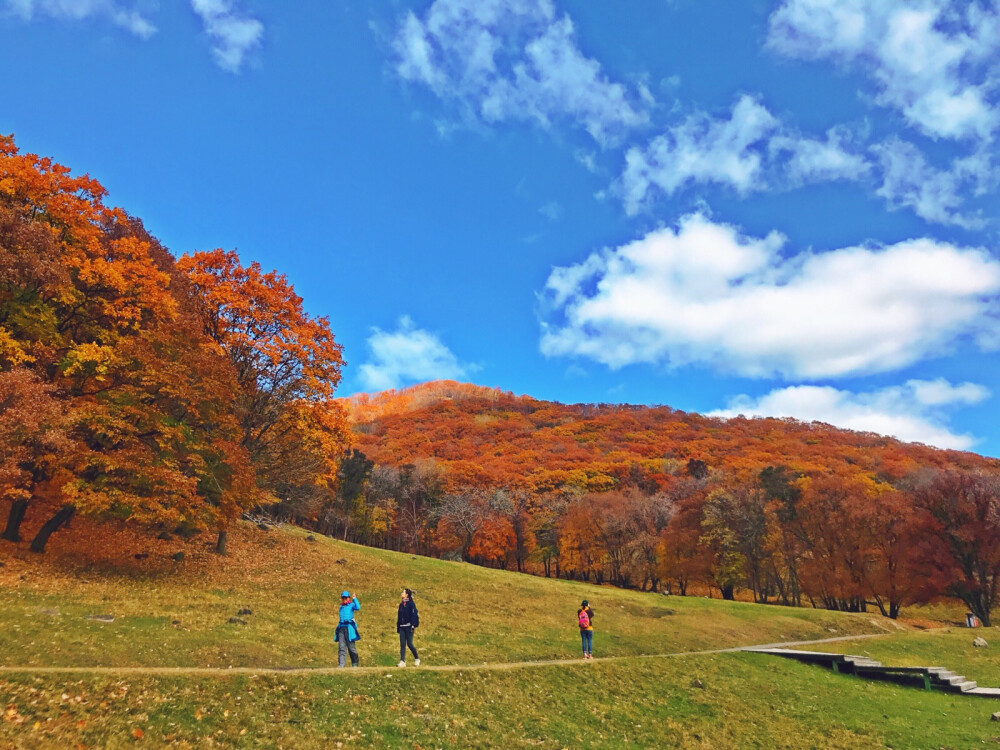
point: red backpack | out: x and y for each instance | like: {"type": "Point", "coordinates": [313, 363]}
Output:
{"type": "Point", "coordinates": [584, 619]}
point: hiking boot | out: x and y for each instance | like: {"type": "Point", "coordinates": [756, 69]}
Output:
{"type": "Point", "coordinates": [401, 664]}
{"type": "Point", "coordinates": [416, 662]}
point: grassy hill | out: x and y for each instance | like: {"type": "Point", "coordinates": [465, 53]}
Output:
{"type": "Point", "coordinates": [177, 614]}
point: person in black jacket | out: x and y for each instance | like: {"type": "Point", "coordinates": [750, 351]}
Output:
{"type": "Point", "coordinates": [407, 620]}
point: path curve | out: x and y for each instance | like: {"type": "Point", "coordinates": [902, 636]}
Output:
{"type": "Point", "coordinates": [486, 666]}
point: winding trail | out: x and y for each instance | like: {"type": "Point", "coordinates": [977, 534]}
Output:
{"type": "Point", "coordinates": [486, 666]}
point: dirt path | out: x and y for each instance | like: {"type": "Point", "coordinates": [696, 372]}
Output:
{"type": "Point", "coordinates": [220, 671]}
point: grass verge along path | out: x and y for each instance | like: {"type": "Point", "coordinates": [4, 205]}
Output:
{"type": "Point", "coordinates": [219, 671]}
{"type": "Point", "coordinates": [702, 701]}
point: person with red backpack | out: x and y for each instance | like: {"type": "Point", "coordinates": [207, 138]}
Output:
{"type": "Point", "coordinates": [585, 619]}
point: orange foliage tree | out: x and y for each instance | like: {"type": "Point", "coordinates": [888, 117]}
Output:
{"type": "Point", "coordinates": [139, 388]}
{"type": "Point", "coordinates": [32, 437]}
{"type": "Point", "coordinates": [961, 514]}
{"type": "Point", "coordinates": [90, 306]}
{"type": "Point", "coordinates": [287, 365]}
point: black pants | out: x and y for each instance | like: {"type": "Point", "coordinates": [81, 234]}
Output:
{"type": "Point", "coordinates": [406, 639]}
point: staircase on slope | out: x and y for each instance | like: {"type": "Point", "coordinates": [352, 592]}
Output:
{"type": "Point", "coordinates": [930, 678]}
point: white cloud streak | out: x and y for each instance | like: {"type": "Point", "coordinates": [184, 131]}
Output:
{"type": "Point", "coordinates": [408, 355]}
{"type": "Point", "coordinates": [933, 194]}
{"type": "Point", "coordinates": [705, 294]}
{"type": "Point", "coordinates": [514, 60]}
{"type": "Point", "coordinates": [809, 160]}
{"type": "Point", "coordinates": [234, 35]}
{"type": "Point", "coordinates": [916, 411]}
{"type": "Point", "coordinates": [127, 18]}
{"type": "Point", "coordinates": [747, 151]}
{"type": "Point", "coordinates": [701, 149]}
{"type": "Point", "coordinates": [934, 61]}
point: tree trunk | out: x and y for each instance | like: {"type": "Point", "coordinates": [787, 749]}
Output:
{"type": "Point", "coordinates": [60, 519]}
{"type": "Point", "coordinates": [882, 610]}
{"type": "Point", "coordinates": [220, 544]}
{"type": "Point", "coordinates": [727, 593]}
{"type": "Point", "coordinates": [13, 531]}
{"type": "Point", "coordinates": [978, 604]}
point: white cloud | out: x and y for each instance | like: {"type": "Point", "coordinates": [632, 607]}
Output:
{"type": "Point", "coordinates": [933, 194]}
{"type": "Point", "coordinates": [749, 150]}
{"type": "Point", "coordinates": [501, 60]}
{"type": "Point", "coordinates": [810, 160]}
{"type": "Point", "coordinates": [408, 355]}
{"type": "Point", "coordinates": [700, 149]}
{"type": "Point", "coordinates": [130, 19]}
{"type": "Point", "coordinates": [703, 293]}
{"type": "Point", "coordinates": [935, 61]}
{"type": "Point", "coordinates": [588, 160]}
{"type": "Point", "coordinates": [234, 34]}
{"type": "Point", "coordinates": [915, 411]}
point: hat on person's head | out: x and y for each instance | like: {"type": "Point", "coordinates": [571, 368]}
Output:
{"type": "Point", "coordinates": [584, 603]}
{"type": "Point", "coordinates": [345, 594]}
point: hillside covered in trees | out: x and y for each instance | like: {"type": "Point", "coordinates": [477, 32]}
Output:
{"type": "Point", "coordinates": [652, 497]}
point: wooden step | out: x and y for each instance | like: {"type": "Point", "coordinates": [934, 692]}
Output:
{"type": "Point", "coordinates": [864, 662]}
{"type": "Point", "coordinates": [956, 680]}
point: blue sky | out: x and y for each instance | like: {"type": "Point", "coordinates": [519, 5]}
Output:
{"type": "Point", "coordinates": [784, 208]}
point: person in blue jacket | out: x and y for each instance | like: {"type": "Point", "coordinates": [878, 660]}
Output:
{"type": "Point", "coordinates": [407, 620]}
{"type": "Point", "coordinates": [347, 629]}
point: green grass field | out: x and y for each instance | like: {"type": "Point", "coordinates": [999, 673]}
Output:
{"type": "Point", "coordinates": [177, 615]}
{"type": "Point", "coordinates": [469, 614]}
{"type": "Point", "coordinates": [747, 701]}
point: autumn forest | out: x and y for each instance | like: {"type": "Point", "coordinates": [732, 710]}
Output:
{"type": "Point", "coordinates": [184, 393]}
